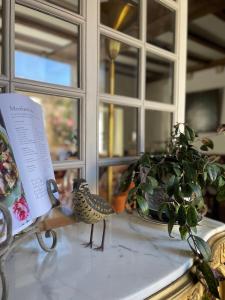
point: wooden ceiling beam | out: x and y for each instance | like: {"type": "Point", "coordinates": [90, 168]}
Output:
{"type": "Point", "coordinates": [197, 58]}
{"type": "Point", "coordinates": [30, 50]}
{"type": "Point", "coordinates": [46, 27]}
{"type": "Point", "coordinates": [197, 9]}
{"type": "Point", "coordinates": [212, 64]}
{"type": "Point", "coordinates": [36, 41]}
{"type": "Point", "coordinates": [205, 42]}
{"type": "Point", "coordinates": [201, 8]}
{"type": "Point", "coordinates": [64, 4]}
{"type": "Point", "coordinates": [220, 15]}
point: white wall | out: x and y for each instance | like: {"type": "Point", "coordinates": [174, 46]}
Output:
{"type": "Point", "coordinates": [206, 80]}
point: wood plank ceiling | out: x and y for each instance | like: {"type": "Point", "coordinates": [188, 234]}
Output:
{"type": "Point", "coordinates": [206, 34]}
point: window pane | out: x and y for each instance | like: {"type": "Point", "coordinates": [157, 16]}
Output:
{"type": "Point", "coordinates": [109, 189]}
{"type": "Point", "coordinates": [46, 48]}
{"type": "Point", "coordinates": [71, 5]}
{"type": "Point", "coordinates": [122, 15]}
{"type": "Point", "coordinates": [158, 126]}
{"type": "Point", "coordinates": [117, 130]}
{"type": "Point", "coordinates": [159, 79]}
{"type": "Point", "coordinates": [160, 25]}
{"type": "Point", "coordinates": [64, 180]}
{"type": "Point", "coordinates": [61, 124]}
{"type": "Point", "coordinates": [118, 68]}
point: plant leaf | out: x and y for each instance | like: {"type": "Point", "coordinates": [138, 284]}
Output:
{"type": "Point", "coordinates": [172, 219]}
{"type": "Point", "coordinates": [221, 194]}
{"type": "Point", "coordinates": [190, 133]}
{"type": "Point", "coordinates": [146, 187]}
{"type": "Point", "coordinates": [194, 229]}
{"type": "Point", "coordinates": [163, 208]}
{"type": "Point", "coordinates": [153, 181]}
{"type": "Point", "coordinates": [131, 193]}
{"type": "Point", "coordinates": [126, 178]}
{"type": "Point", "coordinates": [190, 171]}
{"type": "Point", "coordinates": [186, 190]}
{"type": "Point", "coordinates": [211, 281]}
{"type": "Point", "coordinates": [213, 171]}
{"type": "Point", "coordinates": [196, 189]}
{"type": "Point", "coordinates": [183, 232]}
{"type": "Point", "coordinates": [177, 171]}
{"type": "Point", "coordinates": [203, 248]}
{"type": "Point", "coordinates": [204, 148]}
{"type": "Point", "coordinates": [221, 182]}
{"type": "Point", "coordinates": [142, 203]}
{"type": "Point", "coordinates": [171, 180]}
{"type": "Point", "coordinates": [205, 174]}
{"type": "Point", "coordinates": [192, 216]}
{"type": "Point", "coordinates": [182, 139]}
{"type": "Point", "coordinates": [181, 215]}
{"type": "Point", "coordinates": [207, 142]}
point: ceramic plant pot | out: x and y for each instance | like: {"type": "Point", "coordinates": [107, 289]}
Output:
{"type": "Point", "coordinates": [119, 202]}
{"type": "Point", "coordinates": [155, 201]}
{"type": "Point", "coordinates": [160, 196]}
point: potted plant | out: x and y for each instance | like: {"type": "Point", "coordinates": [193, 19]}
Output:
{"type": "Point", "coordinates": [171, 187]}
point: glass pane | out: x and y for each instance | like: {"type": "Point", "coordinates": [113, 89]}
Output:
{"type": "Point", "coordinates": [158, 126]}
{"type": "Point", "coordinates": [61, 124]}
{"type": "Point", "coordinates": [1, 38]}
{"type": "Point", "coordinates": [109, 188]}
{"type": "Point", "coordinates": [64, 180]}
{"type": "Point", "coordinates": [122, 15]}
{"type": "Point", "coordinates": [117, 130]}
{"type": "Point", "coordinates": [71, 5]}
{"type": "Point", "coordinates": [159, 79]}
{"type": "Point", "coordinates": [161, 25]}
{"type": "Point", "coordinates": [118, 68]}
{"type": "Point", "coordinates": [46, 48]}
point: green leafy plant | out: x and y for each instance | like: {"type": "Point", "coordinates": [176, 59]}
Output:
{"type": "Point", "coordinates": [180, 178]}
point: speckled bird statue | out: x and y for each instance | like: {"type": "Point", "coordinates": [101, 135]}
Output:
{"type": "Point", "coordinates": [90, 209]}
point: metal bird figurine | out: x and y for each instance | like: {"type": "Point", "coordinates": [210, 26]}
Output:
{"type": "Point", "coordinates": [89, 208]}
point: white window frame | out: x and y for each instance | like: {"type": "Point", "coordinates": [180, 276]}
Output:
{"type": "Point", "coordinates": [178, 57]}
{"type": "Point", "coordinates": [88, 93]}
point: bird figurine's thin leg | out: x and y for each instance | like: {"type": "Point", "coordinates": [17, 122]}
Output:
{"type": "Point", "coordinates": [90, 244]}
{"type": "Point", "coordinates": [101, 248]}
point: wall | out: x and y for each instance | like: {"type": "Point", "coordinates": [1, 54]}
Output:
{"type": "Point", "coordinates": [199, 81]}
{"type": "Point", "coordinates": [207, 80]}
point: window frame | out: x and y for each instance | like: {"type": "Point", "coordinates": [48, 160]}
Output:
{"type": "Point", "coordinates": [178, 57]}
{"type": "Point", "coordinates": [88, 93]}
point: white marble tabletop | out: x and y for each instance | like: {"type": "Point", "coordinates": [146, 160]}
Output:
{"type": "Point", "coordinates": [139, 260]}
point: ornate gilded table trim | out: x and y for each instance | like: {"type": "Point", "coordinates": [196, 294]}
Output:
{"type": "Point", "coordinates": [184, 288]}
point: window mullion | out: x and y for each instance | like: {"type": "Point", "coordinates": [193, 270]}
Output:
{"type": "Point", "coordinates": [5, 39]}
{"type": "Point", "coordinates": [180, 83]}
{"type": "Point", "coordinates": [91, 93]}
{"type": "Point", "coordinates": [142, 80]}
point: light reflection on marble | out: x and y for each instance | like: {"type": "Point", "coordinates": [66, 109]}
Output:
{"type": "Point", "coordinates": [139, 259]}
